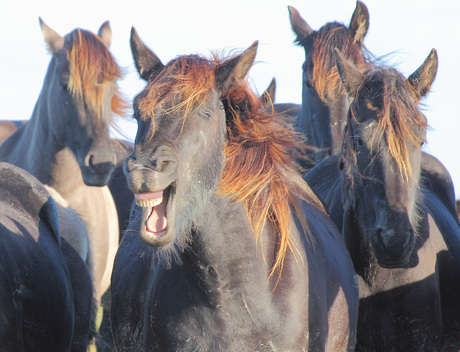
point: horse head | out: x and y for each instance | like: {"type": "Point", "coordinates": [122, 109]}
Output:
{"type": "Point", "coordinates": [80, 97]}
{"type": "Point", "coordinates": [178, 155]}
{"type": "Point", "coordinates": [325, 104]}
{"type": "Point", "coordinates": [382, 154]}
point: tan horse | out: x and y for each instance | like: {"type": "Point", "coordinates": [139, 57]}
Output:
{"type": "Point", "coordinates": [66, 143]}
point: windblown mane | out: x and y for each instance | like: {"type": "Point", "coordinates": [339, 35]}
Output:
{"type": "Point", "coordinates": [259, 150]}
{"type": "Point", "coordinates": [398, 116]}
{"type": "Point", "coordinates": [91, 65]}
{"type": "Point", "coordinates": [325, 77]}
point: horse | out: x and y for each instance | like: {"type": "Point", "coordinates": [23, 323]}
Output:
{"type": "Point", "coordinates": [66, 143]}
{"type": "Point", "coordinates": [395, 207]}
{"type": "Point", "coordinates": [8, 127]}
{"type": "Point", "coordinates": [227, 248]}
{"type": "Point", "coordinates": [45, 287]}
{"type": "Point", "coordinates": [324, 107]}
{"type": "Point", "coordinates": [121, 148]}
{"type": "Point", "coordinates": [268, 98]}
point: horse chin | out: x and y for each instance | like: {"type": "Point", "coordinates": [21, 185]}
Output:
{"type": "Point", "coordinates": [388, 261]}
{"type": "Point", "coordinates": [96, 180]}
{"type": "Point", "coordinates": [97, 177]}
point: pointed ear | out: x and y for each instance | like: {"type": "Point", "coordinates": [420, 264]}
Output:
{"type": "Point", "coordinates": [350, 75]}
{"type": "Point", "coordinates": [105, 32]}
{"type": "Point", "coordinates": [234, 70]}
{"type": "Point", "coordinates": [268, 97]}
{"type": "Point", "coordinates": [359, 23]}
{"type": "Point", "coordinates": [53, 41]}
{"type": "Point", "coordinates": [147, 63]}
{"type": "Point", "coordinates": [298, 24]}
{"type": "Point", "coordinates": [422, 79]}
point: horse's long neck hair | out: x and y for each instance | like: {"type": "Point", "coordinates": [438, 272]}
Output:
{"type": "Point", "coordinates": [259, 149]}
{"type": "Point", "coordinates": [91, 65]}
{"type": "Point", "coordinates": [257, 155]}
{"type": "Point", "coordinates": [325, 77]}
{"type": "Point", "coordinates": [398, 115]}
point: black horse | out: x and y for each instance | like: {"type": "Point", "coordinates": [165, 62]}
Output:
{"type": "Point", "coordinates": [241, 255]}
{"type": "Point", "coordinates": [395, 206]}
{"type": "Point", "coordinates": [323, 113]}
{"type": "Point", "coordinates": [46, 294]}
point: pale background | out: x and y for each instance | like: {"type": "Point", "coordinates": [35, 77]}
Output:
{"type": "Point", "coordinates": [407, 28]}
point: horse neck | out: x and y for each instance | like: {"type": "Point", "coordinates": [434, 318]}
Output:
{"type": "Point", "coordinates": [223, 252]}
{"type": "Point", "coordinates": [35, 149]}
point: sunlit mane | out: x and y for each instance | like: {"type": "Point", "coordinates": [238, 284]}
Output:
{"type": "Point", "coordinates": [398, 115]}
{"type": "Point", "coordinates": [92, 65]}
{"type": "Point", "coordinates": [325, 77]}
{"type": "Point", "coordinates": [188, 79]}
{"type": "Point", "coordinates": [259, 150]}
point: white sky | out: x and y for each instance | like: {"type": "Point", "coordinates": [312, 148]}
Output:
{"type": "Point", "coordinates": [410, 28]}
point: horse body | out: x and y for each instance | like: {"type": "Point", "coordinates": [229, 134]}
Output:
{"type": "Point", "coordinates": [205, 283]}
{"type": "Point", "coordinates": [324, 107]}
{"type": "Point", "coordinates": [395, 207]}
{"type": "Point", "coordinates": [46, 289]}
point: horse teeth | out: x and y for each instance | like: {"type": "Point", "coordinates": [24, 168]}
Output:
{"type": "Point", "coordinates": [149, 203]}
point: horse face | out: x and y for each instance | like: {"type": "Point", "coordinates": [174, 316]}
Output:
{"type": "Point", "coordinates": [84, 130]}
{"type": "Point", "coordinates": [382, 147]}
{"type": "Point", "coordinates": [384, 201]}
{"type": "Point", "coordinates": [175, 166]}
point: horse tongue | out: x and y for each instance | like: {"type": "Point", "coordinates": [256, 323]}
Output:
{"type": "Point", "coordinates": [157, 221]}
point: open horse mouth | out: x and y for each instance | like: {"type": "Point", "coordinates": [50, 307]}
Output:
{"type": "Point", "coordinates": [154, 215]}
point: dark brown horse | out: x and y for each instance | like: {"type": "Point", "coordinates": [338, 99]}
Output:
{"type": "Point", "coordinates": [395, 207]}
{"type": "Point", "coordinates": [322, 117]}
{"type": "Point", "coordinates": [291, 110]}
{"type": "Point", "coordinates": [66, 142]}
{"type": "Point", "coordinates": [227, 248]}
{"type": "Point", "coordinates": [45, 288]}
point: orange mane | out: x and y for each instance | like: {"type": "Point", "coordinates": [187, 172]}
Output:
{"type": "Point", "coordinates": [258, 153]}
{"type": "Point", "coordinates": [398, 115]}
{"type": "Point", "coordinates": [325, 77]}
{"type": "Point", "coordinates": [92, 65]}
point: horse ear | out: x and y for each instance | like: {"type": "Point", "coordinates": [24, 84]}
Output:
{"type": "Point", "coordinates": [105, 32]}
{"type": "Point", "coordinates": [53, 40]}
{"type": "Point", "coordinates": [359, 23]}
{"type": "Point", "coordinates": [350, 75]}
{"type": "Point", "coordinates": [299, 25]}
{"type": "Point", "coordinates": [147, 63]}
{"type": "Point", "coordinates": [268, 97]}
{"type": "Point", "coordinates": [422, 79]}
{"type": "Point", "coordinates": [235, 69]}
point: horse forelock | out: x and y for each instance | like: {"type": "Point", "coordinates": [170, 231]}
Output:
{"type": "Point", "coordinates": [91, 65]}
{"type": "Point", "coordinates": [398, 117]}
{"type": "Point", "coordinates": [256, 157]}
{"type": "Point", "coordinates": [325, 77]}
{"type": "Point", "coordinates": [184, 83]}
